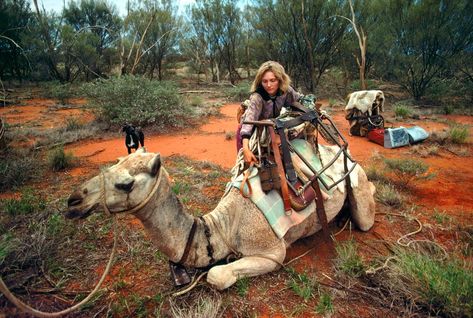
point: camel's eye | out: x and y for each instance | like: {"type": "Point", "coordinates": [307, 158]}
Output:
{"type": "Point", "coordinates": [127, 187]}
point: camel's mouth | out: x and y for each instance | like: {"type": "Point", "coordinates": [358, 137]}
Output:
{"type": "Point", "coordinates": [76, 213]}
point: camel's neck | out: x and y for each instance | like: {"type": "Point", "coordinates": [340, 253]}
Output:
{"type": "Point", "coordinates": [169, 226]}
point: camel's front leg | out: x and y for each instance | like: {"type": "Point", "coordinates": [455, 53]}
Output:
{"type": "Point", "coordinates": [224, 276]}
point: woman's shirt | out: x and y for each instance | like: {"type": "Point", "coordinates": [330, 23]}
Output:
{"type": "Point", "coordinates": [262, 106]}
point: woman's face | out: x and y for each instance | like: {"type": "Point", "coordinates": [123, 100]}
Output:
{"type": "Point", "coordinates": [270, 83]}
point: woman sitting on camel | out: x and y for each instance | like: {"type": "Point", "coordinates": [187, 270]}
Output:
{"type": "Point", "coordinates": [271, 91]}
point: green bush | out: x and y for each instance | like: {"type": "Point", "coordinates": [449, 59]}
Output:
{"type": "Point", "coordinates": [61, 92]}
{"type": "Point", "coordinates": [459, 134]}
{"type": "Point", "coordinates": [356, 85]}
{"type": "Point", "coordinates": [139, 101]}
{"type": "Point", "coordinates": [407, 170]}
{"type": "Point", "coordinates": [27, 204]}
{"type": "Point", "coordinates": [402, 111]}
{"type": "Point", "coordinates": [325, 304]}
{"type": "Point", "coordinates": [348, 261]}
{"type": "Point", "coordinates": [60, 160]}
{"type": "Point", "coordinates": [444, 287]}
{"type": "Point", "coordinates": [239, 93]}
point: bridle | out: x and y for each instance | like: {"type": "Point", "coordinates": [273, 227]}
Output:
{"type": "Point", "coordinates": [135, 208]}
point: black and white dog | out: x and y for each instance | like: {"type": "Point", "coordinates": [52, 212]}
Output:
{"type": "Point", "coordinates": [134, 137]}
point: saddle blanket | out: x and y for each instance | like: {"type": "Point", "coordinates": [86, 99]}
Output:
{"type": "Point", "coordinates": [271, 205]}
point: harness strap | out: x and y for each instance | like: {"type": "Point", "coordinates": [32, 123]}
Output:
{"type": "Point", "coordinates": [282, 175]}
{"type": "Point", "coordinates": [320, 208]}
{"type": "Point", "coordinates": [190, 238]}
{"type": "Point", "coordinates": [286, 155]}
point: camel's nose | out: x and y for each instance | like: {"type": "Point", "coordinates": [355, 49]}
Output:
{"type": "Point", "coordinates": [74, 199]}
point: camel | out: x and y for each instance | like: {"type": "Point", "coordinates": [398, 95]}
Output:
{"type": "Point", "coordinates": [139, 184]}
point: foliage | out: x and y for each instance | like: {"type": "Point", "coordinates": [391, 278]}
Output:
{"type": "Point", "coordinates": [407, 170]}
{"type": "Point", "coordinates": [59, 159]}
{"type": "Point", "coordinates": [61, 92]}
{"type": "Point", "coordinates": [139, 101]}
{"type": "Point", "coordinates": [402, 111]}
{"type": "Point", "coordinates": [325, 304]}
{"type": "Point", "coordinates": [443, 287]}
{"type": "Point", "coordinates": [242, 285]}
{"type": "Point", "coordinates": [459, 134]}
{"type": "Point", "coordinates": [238, 93]}
{"type": "Point", "coordinates": [348, 261]}
{"type": "Point", "coordinates": [301, 284]}
{"type": "Point", "coordinates": [388, 195]}
{"type": "Point", "coordinates": [28, 203]}
{"type": "Point", "coordinates": [17, 169]}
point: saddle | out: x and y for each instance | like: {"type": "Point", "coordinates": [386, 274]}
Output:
{"type": "Point", "coordinates": [298, 190]}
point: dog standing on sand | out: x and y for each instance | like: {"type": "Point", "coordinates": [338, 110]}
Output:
{"type": "Point", "coordinates": [134, 137]}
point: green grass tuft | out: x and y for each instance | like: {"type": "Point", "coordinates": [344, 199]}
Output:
{"type": "Point", "coordinates": [60, 160]}
{"type": "Point", "coordinates": [348, 261]}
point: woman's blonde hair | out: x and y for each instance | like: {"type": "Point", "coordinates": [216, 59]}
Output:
{"type": "Point", "coordinates": [278, 71]}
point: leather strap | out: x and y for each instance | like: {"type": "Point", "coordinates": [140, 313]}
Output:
{"type": "Point", "coordinates": [282, 175]}
{"type": "Point", "coordinates": [286, 154]}
{"type": "Point", "coordinates": [246, 181]}
{"type": "Point", "coordinates": [320, 208]}
{"type": "Point", "coordinates": [190, 238]}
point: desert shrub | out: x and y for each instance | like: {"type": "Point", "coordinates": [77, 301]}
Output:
{"type": "Point", "coordinates": [407, 170]}
{"type": "Point", "coordinates": [195, 100]}
{"type": "Point", "coordinates": [17, 169]}
{"type": "Point", "coordinates": [448, 109]}
{"type": "Point", "coordinates": [458, 134]}
{"type": "Point", "coordinates": [238, 93]}
{"type": "Point", "coordinates": [443, 287]}
{"type": "Point", "coordinates": [72, 123]}
{"type": "Point", "coordinates": [356, 85]}
{"type": "Point", "coordinates": [61, 92]}
{"type": "Point", "coordinates": [388, 195]}
{"type": "Point", "coordinates": [242, 286]}
{"type": "Point", "coordinates": [26, 204]}
{"type": "Point", "coordinates": [347, 260]}
{"type": "Point", "coordinates": [374, 173]}
{"type": "Point", "coordinates": [402, 110]}
{"type": "Point", "coordinates": [59, 159]}
{"type": "Point", "coordinates": [139, 101]}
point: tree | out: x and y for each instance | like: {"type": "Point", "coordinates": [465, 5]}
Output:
{"type": "Point", "coordinates": [101, 22]}
{"type": "Point", "coordinates": [426, 35]}
{"type": "Point", "coordinates": [304, 35]}
{"type": "Point", "coordinates": [220, 24]}
{"type": "Point", "coordinates": [15, 17]}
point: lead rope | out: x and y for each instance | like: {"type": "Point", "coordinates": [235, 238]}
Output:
{"type": "Point", "coordinates": [26, 308]}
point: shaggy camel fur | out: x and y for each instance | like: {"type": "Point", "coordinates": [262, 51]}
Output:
{"type": "Point", "coordinates": [139, 184]}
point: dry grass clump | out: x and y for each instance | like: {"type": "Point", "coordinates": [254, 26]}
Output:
{"type": "Point", "coordinates": [388, 195]}
{"type": "Point", "coordinates": [422, 281]}
{"type": "Point", "coordinates": [348, 261]}
{"type": "Point", "coordinates": [204, 305]}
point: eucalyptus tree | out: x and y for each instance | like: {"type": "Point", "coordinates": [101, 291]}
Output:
{"type": "Point", "coordinates": [219, 21]}
{"type": "Point", "coordinates": [100, 22]}
{"type": "Point", "coordinates": [304, 35]}
{"type": "Point", "coordinates": [162, 36]}
{"type": "Point", "coordinates": [15, 19]}
{"type": "Point", "coordinates": [426, 35]}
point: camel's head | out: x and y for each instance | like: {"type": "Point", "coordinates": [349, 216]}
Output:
{"type": "Point", "coordinates": [121, 188]}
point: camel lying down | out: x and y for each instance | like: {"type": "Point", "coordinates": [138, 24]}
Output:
{"type": "Point", "coordinates": [139, 184]}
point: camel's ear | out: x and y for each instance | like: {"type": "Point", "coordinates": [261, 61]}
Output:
{"type": "Point", "coordinates": [142, 149]}
{"type": "Point", "coordinates": [155, 164]}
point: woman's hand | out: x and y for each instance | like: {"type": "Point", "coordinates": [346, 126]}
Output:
{"type": "Point", "coordinates": [248, 155]}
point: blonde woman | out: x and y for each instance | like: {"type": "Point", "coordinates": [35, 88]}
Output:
{"type": "Point", "coordinates": [271, 91]}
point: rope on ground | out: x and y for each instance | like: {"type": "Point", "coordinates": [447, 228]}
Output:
{"type": "Point", "coordinates": [190, 287]}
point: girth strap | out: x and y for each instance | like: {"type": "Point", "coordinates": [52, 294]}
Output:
{"type": "Point", "coordinates": [320, 208]}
